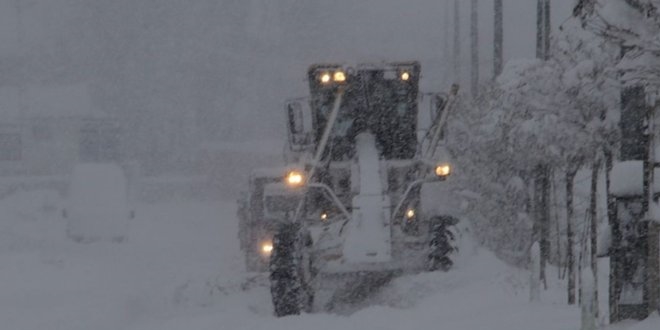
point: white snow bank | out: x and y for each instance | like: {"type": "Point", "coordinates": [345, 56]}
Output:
{"type": "Point", "coordinates": [651, 323]}
{"type": "Point", "coordinates": [480, 292]}
{"type": "Point", "coordinates": [535, 274]}
{"type": "Point", "coordinates": [587, 300]}
{"type": "Point", "coordinates": [163, 272]}
{"type": "Point", "coordinates": [184, 270]}
{"type": "Point", "coordinates": [27, 219]}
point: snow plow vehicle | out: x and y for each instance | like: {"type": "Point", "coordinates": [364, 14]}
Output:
{"type": "Point", "coordinates": [346, 214]}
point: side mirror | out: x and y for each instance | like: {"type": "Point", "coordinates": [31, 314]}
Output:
{"type": "Point", "coordinates": [295, 116]}
{"type": "Point", "coordinates": [438, 105]}
{"type": "Point", "coordinates": [296, 124]}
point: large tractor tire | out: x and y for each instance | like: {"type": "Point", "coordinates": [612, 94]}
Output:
{"type": "Point", "coordinates": [442, 244]}
{"type": "Point", "coordinates": [289, 285]}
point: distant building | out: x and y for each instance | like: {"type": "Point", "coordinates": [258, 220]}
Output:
{"type": "Point", "coordinates": [45, 130]}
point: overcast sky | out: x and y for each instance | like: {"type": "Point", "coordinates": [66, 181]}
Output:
{"type": "Point", "coordinates": [269, 44]}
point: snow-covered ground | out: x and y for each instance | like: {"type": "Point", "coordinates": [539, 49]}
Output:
{"type": "Point", "coordinates": [50, 282]}
{"type": "Point", "coordinates": [181, 269]}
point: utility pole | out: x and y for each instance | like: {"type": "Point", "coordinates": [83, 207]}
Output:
{"type": "Point", "coordinates": [474, 47]}
{"type": "Point", "coordinates": [446, 38]}
{"type": "Point", "coordinates": [593, 229]}
{"type": "Point", "coordinates": [498, 39]}
{"type": "Point", "coordinates": [570, 257]}
{"type": "Point", "coordinates": [457, 41]}
{"type": "Point", "coordinates": [543, 29]}
{"type": "Point", "coordinates": [546, 29]}
{"type": "Point", "coordinates": [542, 171]}
{"type": "Point", "coordinates": [540, 27]}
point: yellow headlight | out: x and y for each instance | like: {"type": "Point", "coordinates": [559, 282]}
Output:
{"type": "Point", "coordinates": [324, 216]}
{"type": "Point", "coordinates": [405, 76]}
{"type": "Point", "coordinates": [410, 214]}
{"type": "Point", "coordinates": [325, 77]}
{"type": "Point", "coordinates": [339, 76]}
{"type": "Point", "coordinates": [267, 248]}
{"type": "Point", "coordinates": [443, 170]}
{"type": "Point", "coordinates": [295, 179]}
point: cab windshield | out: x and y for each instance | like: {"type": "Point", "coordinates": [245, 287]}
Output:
{"type": "Point", "coordinates": [372, 102]}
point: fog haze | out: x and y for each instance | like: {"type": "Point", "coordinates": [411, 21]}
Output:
{"type": "Point", "coordinates": [182, 74]}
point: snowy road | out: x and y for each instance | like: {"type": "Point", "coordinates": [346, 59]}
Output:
{"type": "Point", "coordinates": [49, 282]}
{"type": "Point", "coordinates": [181, 269]}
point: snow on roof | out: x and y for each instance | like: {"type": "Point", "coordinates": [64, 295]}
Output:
{"type": "Point", "coordinates": [627, 178]}
{"type": "Point", "coordinates": [48, 101]}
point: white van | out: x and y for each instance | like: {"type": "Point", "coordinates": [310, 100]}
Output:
{"type": "Point", "coordinates": [97, 207]}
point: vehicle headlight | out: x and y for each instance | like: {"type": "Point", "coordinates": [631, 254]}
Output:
{"type": "Point", "coordinates": [410, 214]}
{"type": "Point", "coordinates": [443, 170]}
{"type": "Point", "coordinates": [339, 76]}
{"type": "Point", "coordinates": [295, 179]}
{"type": "Point", "coordinates": [266, 248]}
{"type": "Point", "coordinates": [325, 77]}
{"type": "Point", "coordinates": [405, 75]}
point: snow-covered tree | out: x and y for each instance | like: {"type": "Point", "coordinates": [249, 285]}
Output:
{"type": "Point", "coordinates": [591, 86]}
{"type": "Point", "coordinates": [502, 138]}
{"type": "Point", "coordinates": [558, 113]}
{"type": "Point", "coordinates": [635, 26]}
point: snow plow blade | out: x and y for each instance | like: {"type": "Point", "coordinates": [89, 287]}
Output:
{"type": "Point", "coordinates": [342, 293]}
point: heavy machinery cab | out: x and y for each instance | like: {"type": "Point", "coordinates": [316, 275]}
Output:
{"type": "Point", "coordinates": [378, 99]}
